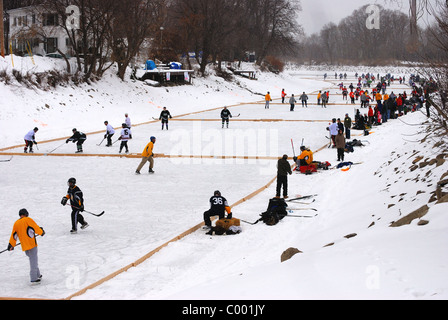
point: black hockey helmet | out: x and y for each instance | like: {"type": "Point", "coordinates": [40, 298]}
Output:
{"type": "Point", "coordinates": [71, 181]}
{"type": "Point", "coordinates": [217, 193]}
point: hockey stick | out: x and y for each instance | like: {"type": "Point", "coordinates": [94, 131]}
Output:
{"type": "Point", "coordinates": [56, 148]}
{"type": "Point", "coordinates": [101, 142]}
{"type": "Point", "coordinates": [7, 160]}
{"type": "Point", "coordinates": [293, 149]}
{"type": "Point", "coordinates": [304, 203]}
{"type": "Point", "coordinates": [8, 250]}
{"type": "Point", "coordinates": [254, 223]}
{"type": "Point", "coordinates": [300, 209]}
{"type": "Point", "coordinates": [18, 244]}
{"type": "Point", "coordinates": [293, 216]}
{"type": "Point", "coordinates": [302, 198]}
{"type": "Point", "coordinates": [93, 214]}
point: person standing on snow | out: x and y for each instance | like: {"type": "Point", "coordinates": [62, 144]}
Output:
{"type": "Point", "coordinates": [110, 131]}
{"type": "Point", "coordinates": [225, 116]}
{"type": "Point", "coordinates": [218, 207]}
{"type": "Point", "coordinates": [348, 126]}
{"type": "Point", "coordinates": [127, 120]}
{"type": "Point", "coordinates": [74, 194]}
{"type": "Point", "coordinates": [283, 169]}
{"type": "Point", "coordinates": [283, 96]}
{"type": "Point", "coordinates": [333, 128]}
{"type": "Point", "coordinates": [304, 99]}
{"type": "Point", "coordinates": [79, 138]}
{"type": "Point", "coordinates": [30, 139]}
{"type": "Point", "coordinates": [25, 229]}
{"type": "Point", "coordinates": [340, 145]}
{"type": "Point", "coordinates": [324, 99]}
{"type": "Point", "coordinates": [165, 115]}
{"type": "Point", "coordinates": [147, 156]}
{"type": "Point", "coordinates": [292, 102]}
{"type": "Point", "coordinates": [268, 100]}
{"type": "Point", "coordinates": [125, 136]}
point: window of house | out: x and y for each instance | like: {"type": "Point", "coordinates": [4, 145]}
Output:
{"type": "Point", "coordinates": [51, 45]}
{"type": "Point", "coordinates": [50, 19]}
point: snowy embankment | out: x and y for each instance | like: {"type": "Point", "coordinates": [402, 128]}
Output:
{"type": "Point", "coordinates": [142, 213]}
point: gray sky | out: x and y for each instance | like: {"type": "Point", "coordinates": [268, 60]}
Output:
{"type": "Point", "coordinates": [316, 13]}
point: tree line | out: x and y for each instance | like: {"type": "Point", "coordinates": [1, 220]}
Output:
{"type": "Point", "coordinates": [352, 42]}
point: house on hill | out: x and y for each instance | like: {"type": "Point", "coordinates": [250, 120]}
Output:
{"type": "Point", "coordinates": [32, 30]}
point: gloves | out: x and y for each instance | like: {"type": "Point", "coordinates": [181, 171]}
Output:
{"type": "Point", "coordinates": [10, 247]}
{"type": "Point", "coordinates": [43, 232]}
{"type": "Point", "coordinates": [229, 216]}
{"type": "Point", "coordinates": [64, 201]}
{"type": "Point", "coordinates": [81, 208]}
{"type": "Point", "coordinates": [68, 140]}
{"type": "Point", "coordinates": [105, 136]}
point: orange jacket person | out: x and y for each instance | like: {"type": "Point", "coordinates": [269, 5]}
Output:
{"type": "Point", "coordinates": [147, 155]}
{"type": "Point", "coordinates": [25, 229]}
{"type": "Point", "coordinates": [305, 158]}
{"type": "Point", "coordinates": [268, 99]}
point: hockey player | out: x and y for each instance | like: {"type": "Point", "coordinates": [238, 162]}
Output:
{"type": "Point", "coordinates": [147, 156]}
{"type": "Point", "coordinates": [305, 158]}
{"type": "Point", "coordinates": [268, 100]}
{"type": "Point", "coordinates": [74, 194]}
{"type": "Point", "coordinates": [283, 95]}
{"type": "Point", "coordinates": [25, 229]}
{"type": "Point", "coordinates": [164, 116]}
{"type": "Point", "coordinates": [30, 139]}
{"type": "Point", "coordinates": [304, 99]}
{"type": "Point", "coordinates": [218, 207]}
{"type": "Point", "coordinates": [110, 131]}
{"type": "Point", "coordinates": [125, 136]}
{"type": "Point", "coordinates": [79, 138]}
{"type": "Point", "coordinates": [225, 116]}
{"type": "Point", "coordinates": [127, 120]}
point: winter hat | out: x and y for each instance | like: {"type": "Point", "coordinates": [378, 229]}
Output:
{"type": "Point", "coordinates": [24, 212]}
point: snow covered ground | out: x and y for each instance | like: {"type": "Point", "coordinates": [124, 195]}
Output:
{"type": "Point", "coordinates": [144, 212]}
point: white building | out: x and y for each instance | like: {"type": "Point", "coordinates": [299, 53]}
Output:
{"type": "Point", "coordinates": [30, 27]}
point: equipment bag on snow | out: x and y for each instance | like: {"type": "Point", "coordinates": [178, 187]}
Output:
{"type": "Point", "coordinates": [276, 211]}
{"type": "Point", "coordinates": [227, 223]}
{"type": "Point", "coordinates": [312, 168]}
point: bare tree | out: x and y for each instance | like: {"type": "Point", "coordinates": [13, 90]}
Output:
{"type": "Point", "coordinates": [134, 22]}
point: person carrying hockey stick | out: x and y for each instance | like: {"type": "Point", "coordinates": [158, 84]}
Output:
{"type": "Point", "coordinates": [225, 116]}
{"type": "Point", "coordinates": [30, 140]}
{"type": "Point", "coordinates": [110, 131]}
{"type": "Point", "coordinates": [25, 229]}
{"type": "Point", "coordinates": [79, 138]}
{"type": "Point", "coordinates": [125, 136]}
{"type": "Point", "coordinates": [75, 195]}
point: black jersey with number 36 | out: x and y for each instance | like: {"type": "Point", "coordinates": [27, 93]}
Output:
{"type": "Point", "coordinates": [218, 204]}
